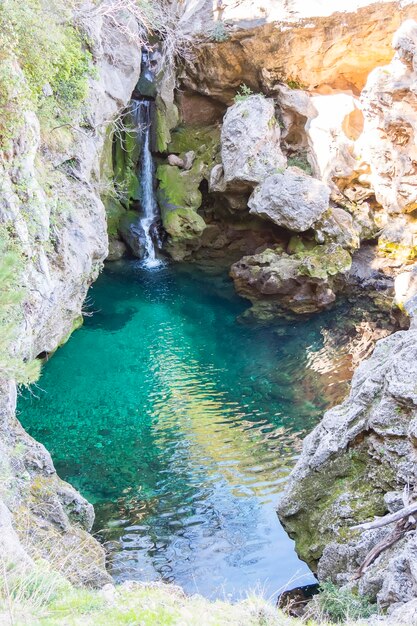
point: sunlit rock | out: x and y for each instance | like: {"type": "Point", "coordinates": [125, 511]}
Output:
{"type": "Point", "coordinates": [301, 283]}
{"type": "Point", "coordinates": [250, 142]}
{"type": "Point", "coordinates": [389, 103]}
{"type": "Point", "coordinates": [291, 199]}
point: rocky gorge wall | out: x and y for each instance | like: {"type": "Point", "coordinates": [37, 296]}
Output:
{"type": "Point", "coordinates": [54, 220]}
{"type": "Point", "coordinates": [305, 185]}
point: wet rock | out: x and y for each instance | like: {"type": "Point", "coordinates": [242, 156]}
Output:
{"type": "Point", "coordinates": [132, 233]}
{"type": "Point", "coordinates": [291, 199]}
{"type": "Point", "coordinates": [184, 227]}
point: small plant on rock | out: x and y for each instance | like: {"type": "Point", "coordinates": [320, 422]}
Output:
{"type": "Point", "coordinates": [341, 605]}
{"type": "Point", "coordinates": [219, 32]}
{"type": "Point", "coordinates": [301, 162]}
{"type": "Point", "coordinates": [243, 93]}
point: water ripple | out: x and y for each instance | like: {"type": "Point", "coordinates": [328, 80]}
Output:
{"type": "Point", "coordinates": [181, 426]}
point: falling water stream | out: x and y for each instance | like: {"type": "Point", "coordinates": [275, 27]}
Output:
{"type": "Point", "coordinates": [141, 112]}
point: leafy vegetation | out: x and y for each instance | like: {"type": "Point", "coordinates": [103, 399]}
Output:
{"type": "Point", "coordinates": [301, 162]}
{"type": "Point", "coordinates": [341, 605]}
{"type": "Point", "coordinates": [12, 294]}
{"type": "Point", "coordinates": [243, 93]}
{"type": "Point", "coordinates": [43, 60]}
{"type": "Point", "coordinates": [219, 32]}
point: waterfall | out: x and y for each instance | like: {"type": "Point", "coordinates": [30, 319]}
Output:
{"type": "Point", "coordinates": [141, 112]}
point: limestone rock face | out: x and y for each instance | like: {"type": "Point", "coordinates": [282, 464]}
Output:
{"type": "Point", "coordinates": [50, 201]}
{"type": "Point", "coordinates": [292, 199]}
{"type": "Point", "coordinates": [389, 103]}
{"type": "Point", "coordinates": [320, 53]}
{"type": "Point", "coordinates": [35, 502]}
{"type": "Point", "coordinates": [250, 142]}
{"type": "Point", "coordinates": [361, 450]}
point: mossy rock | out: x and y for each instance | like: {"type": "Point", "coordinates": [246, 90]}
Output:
{"type": "Point", "coordinates": [126, 154]}
{"type": "Point", "coordinates": [324, 261]}
{"type": "Point", "coordinates": [178, 188]}
{"type": "Point", "coordinates": [323, 498]}
{"type": "Point", "coordinates": [114, 212]}
{"type": "Point", "coordinates": [298, 245]}
{"type": "Point", "coordinates": [203, 140]}
{"type": "Point", "coordinates": [183, 223]}
{"type": "Point", "coordinates": [166, 119]}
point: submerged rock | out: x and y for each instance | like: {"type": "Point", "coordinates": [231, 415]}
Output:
{"type": "Point", "coordinates": [291, 199]}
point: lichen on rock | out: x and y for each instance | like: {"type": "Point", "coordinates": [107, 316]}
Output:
{"type": "Point", "coordinates": [302, 283]}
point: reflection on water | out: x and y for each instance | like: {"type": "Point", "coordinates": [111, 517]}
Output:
{"type": "Point", "coordinates": [181, 425]}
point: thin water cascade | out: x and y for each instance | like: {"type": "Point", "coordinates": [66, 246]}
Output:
{"type": "Point", "coordinates": [141, 113]}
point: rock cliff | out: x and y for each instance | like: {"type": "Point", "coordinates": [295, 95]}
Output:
{"type": "Point", "coordinates": [53, 218]}
{"type": "Point", "coordinates": [361, 461]}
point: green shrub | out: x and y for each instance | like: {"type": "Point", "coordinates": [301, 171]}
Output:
{"type": "Point", "coordinates": [219, 32]}
{"type": "Point", "coordinates": [301, 162]}
{"type": "Point", "coordinates": [38, 36]}
{"type": "Point", "coordinates": [243, 93]}
{"type": "Point", "coordinates": [342, 605]}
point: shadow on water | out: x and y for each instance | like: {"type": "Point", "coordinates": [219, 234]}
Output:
{"type": "Point", "coordinates": [181, 426]}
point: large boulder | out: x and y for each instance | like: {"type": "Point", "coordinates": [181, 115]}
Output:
{"type": "Point", "coordinates": [250, 142]}
{"type": "Point", "coordinates": [301, 283]}
{"type": "Point", "coordinates": [131, 232]}
{"type": "Point", "coordinates": [291, 199]}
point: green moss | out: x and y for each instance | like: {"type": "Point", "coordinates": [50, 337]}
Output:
{"type": "Point", "coordinates": [300, 161]}
{"type": "Point", "coordinates": [166, 119]}
{"type": "Point", "coordinates": [343, 483]}
{"type": "Point", "coordinates": [178, 188]}
{"type": "Point", "coordinates": [203, 140]}
{"type": "Point", "coordinates": [324, 261]}
{"type": "Point", "coordinates": [298, 245]}
{"type": "Point", "coordinates": [126, 152]}
{"type": "Point", "coordinates": [183, 224]}
{"type": "Point", "coordinates": [49, 50]}
{"type": "Point", "coordinates": [115, 212]}
{"type": "Point", "coordinates": [179, 194]}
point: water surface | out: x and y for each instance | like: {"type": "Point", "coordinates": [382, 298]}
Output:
{"type": "Point", "coordinates": [180, 425]}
